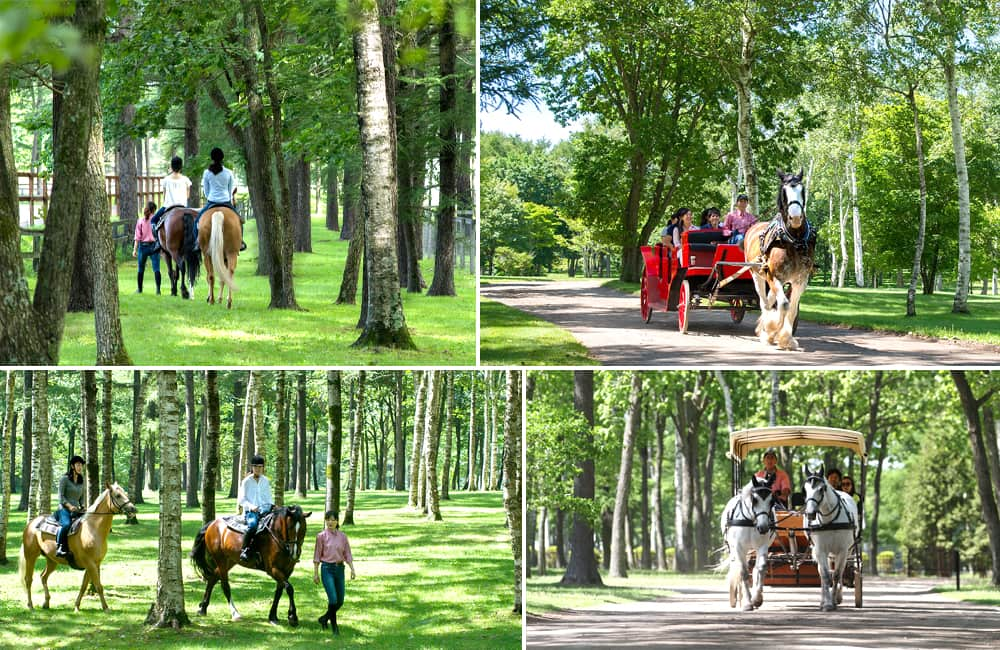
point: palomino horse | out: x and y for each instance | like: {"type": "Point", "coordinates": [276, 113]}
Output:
{"type": "Point", "coordinates": [748, 525]}
{"type": "Point", "coordinates": [178, 240]}
{"type": "Point", "coordinates": [832, 517]}
{"type": "Point", "coordinates": [275, 552]}
{"type": "Point", "coordinates": [219, 236]}
{"type": "Point", "coordinates": [785, 247]}
{"type": "Point", "coordinates": [88, 546]}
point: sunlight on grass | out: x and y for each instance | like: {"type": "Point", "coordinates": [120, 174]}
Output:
{"type": "Point", "coordinates": [420, 584]}
{"type": "Point", "coordinates": [545, 595]}
{"type": "Point", "coordinates": [166, 330]}
{"type": "Point", "coordinates": [510, 336]}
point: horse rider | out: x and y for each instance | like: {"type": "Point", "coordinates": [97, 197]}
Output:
{"type": "Point", "coordinates": [71, 491]}
{"type": "Point", "coordinates": [738, 221]}
{"type": "Point", "coordinates": [219, 186]}
{"type": "Point", "coordinates": [255, 498]}
{"type": "Point", "coordinates": [782, 485]}
{"type": "Point", "coordinates": [145, 247]}
{"type": "Point", "coordinates": [175, 191]}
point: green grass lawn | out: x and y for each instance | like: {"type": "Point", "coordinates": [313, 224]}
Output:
{"type": "Point", "coordinates": [545, 594]}
{"type": "Point", "coordinates": [885, 310]}
{"type": "Point", "coordinates": [974, 590]}
{"type": "Point", "coordinates": [510, 336]}
{"type": "Point", "coordinates": [548, 277]}
{"type": "Point", "coordinates": [165, 330]}
{"type": "Point", "coordinates": [419, 584]}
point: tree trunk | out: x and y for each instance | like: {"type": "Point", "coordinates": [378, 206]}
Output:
{"type": "Point", "coordinates": [582, 566]}
{"type": "Point", "coordinates": [618, 558]}
{"type": "Point", "coordinates": [302, 483]}
{"type": "Point", "coordinates": [190, 420]}
{"type": "Point", "coordinates": [352, 197]}
{"type": "Point", "coordinates": [432, 433]}
{"type": "Point", "coordinates": [971, 406]}
{"type": "Point", "coordinates": [239, 390]}
{"type": "Point", "coordinates": [352, 265]}
{"type": "Point", "coordinates": [493, 443]}
{"type": "Point", "coordinates": [332, 209]}
{"type": "Point", "coordinates": [356, 434]}
{"type": "Point", "coordinates": [168, 608]}
{"type": "Point", "coordinates": [386, 323]}
{"type": "Point", "coordinates": [334, 439]}
{"type": "Point", "coordinates": [449, 410]}
{"type": "Point", "coordinates": [246, 439]}
{"type": "Point", "coordinates": [135, 460]}
{"type": "Point", "coordinates": [399, 453]}
{"type": "Point", "coordinates": [107, 459]}
{"type": "Point", "coordinates": [444, 253]}
{"type": "Point", "coordinates": [744, 125]}
{"type": "Point", "coordinates": [301, 205]}
{"type": "Point", "coordinates": [127, 194]}
{"type": "Point", "coordinates": [859, 258]}
{"type": "Point", "coordinates": [918, 253]}
{"type": "Point", "coordinates": [415, 452]}
{"type": "Point", "coordinates": [281, 444]}
{"type": "Point", "coordinates": [6, 453]}
{"type": "Point", "coordinates": [43, 444]}
{"type": "Point", "coordinates": [91, 453]}
{"type": "Point", "coordinates": [512, 487]}
{"type": "Point", "coordinates": [472, 433]}
{"type": "Point", "coordinates": [659, 537]}
{"type": "Point", "coordinates": [27, 443]}
{"type": "Point", "coordinates": [211, 467]}
{"type": "Point", "coordinates": [961, 303]}
{"type": "Point", "coordinates": [191, 148]}
{"type": "Point", "coordinates": [646, 561]}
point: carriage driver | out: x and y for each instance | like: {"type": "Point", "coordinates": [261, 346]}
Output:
{"type": "Point", "coordinates": [255, 497]}
{"type": "Point", "coordinates": [782, 486]}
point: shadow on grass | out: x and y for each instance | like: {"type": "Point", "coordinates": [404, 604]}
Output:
{"type": "Point", "coordinates": [511, 336]}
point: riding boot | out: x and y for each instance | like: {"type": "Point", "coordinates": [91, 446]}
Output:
{"type": "Point", "coordinates": [139, 282]}
{"type": "Point", "coordinates": [333, 622]}
{"type": "Point", "coordinates": [247, 541]}
{"type": "Point", "coordinates": [324, 620]}
{"type": "Point", "coordinates": [157, 275]}
{"type": "Point", "coordinates": [243, 244]}
{"type": "Point", "coordinates": [61, 542]}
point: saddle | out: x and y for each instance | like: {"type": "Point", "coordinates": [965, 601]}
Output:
{"type": "Point", "coordinates": [776, 234]}
{"type": "Point", "coordinates": [159, 224]}
{"type": "Point", "coordinates": [51, 525]}
{"type": "Point", "coordinates": [238, 523]}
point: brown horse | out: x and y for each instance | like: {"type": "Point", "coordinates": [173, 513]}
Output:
{"type": "Point", "coordinates": [219, 236]}
{"type": "Point", "coordinates": [88, 546]}
{"type": "Point", "coordinates": [178, 239]}
{"type": "Point", "coordinates": [217, 550]}
{"type": "Point", "coordinates": [784, 247]}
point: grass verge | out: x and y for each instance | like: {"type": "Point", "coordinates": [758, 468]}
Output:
{"type": "Point", "coordinates": [545, 594]}
{"type": "Point", "coordinates": [168, 331]}
{"type": "Point", "coordinates": [420, 584]}
{"type": "Point", "coordinates": [974, 590]}
{"type": "Point", "coordinates": [510, 336]}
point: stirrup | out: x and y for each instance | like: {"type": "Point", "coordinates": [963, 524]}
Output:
{"type": "Point", "coordinates": [243, 245]}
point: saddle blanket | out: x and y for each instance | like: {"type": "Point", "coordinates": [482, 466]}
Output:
{"type": "Point", "coordinates": [51, 525]}
{"type": "Point", "coordinates": [238, 523]}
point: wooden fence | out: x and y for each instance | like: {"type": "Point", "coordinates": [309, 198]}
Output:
{"type": "Point", "coordinates": [34, 192]}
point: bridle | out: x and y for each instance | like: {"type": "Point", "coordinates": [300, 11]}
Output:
{"type": "Point", "coordinates": [116, 506]}
{"type": "Point", "coordinates": [834, 514]}
{"type": "Point", "coordinates": [749, 519]}
{"type": "Point", "coordinates": [290, 548]}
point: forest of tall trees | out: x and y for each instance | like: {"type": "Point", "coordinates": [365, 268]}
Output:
{"type": "Point", "coordinates": [629, 469]}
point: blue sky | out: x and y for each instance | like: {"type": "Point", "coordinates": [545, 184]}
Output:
{"type": "Point", "coordinates": [531, 123]}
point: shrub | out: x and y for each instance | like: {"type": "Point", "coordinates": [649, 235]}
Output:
{"type": "Point", "coordinates": [508, 261]}
{"type": "Point", "coordinates": [887, 562]}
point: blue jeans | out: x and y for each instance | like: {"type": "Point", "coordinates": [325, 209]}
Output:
{"type": "Point", "coordinates": [147, 250]}
{"type": "Point", "coordinates": [64, 518]}
{"type": "Point", "coordinates": [253, 518]}
{"type": "Point", "coordinates": [736, 238]}
{"type": "Point", "coordinates": [332, 576]}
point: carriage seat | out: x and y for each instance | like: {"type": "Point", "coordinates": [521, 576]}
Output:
{"type": "Point", "coordinates": [238, 523]}
{"type": "Point", "coordinates": [704, 240]}
{"type": "Point", "coordinates": [51, 525]}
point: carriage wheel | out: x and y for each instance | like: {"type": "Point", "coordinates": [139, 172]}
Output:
{"type": "Point", "coordinates": [857, 587]}
{"type": "Point", "coordinates": [737, 311]}
{"type": "Point", "coordinates": [795, 325]}
{"type": "Point", "coordinates": [683, 303]}
{"type": "Point", "coordinates": [644, 308]}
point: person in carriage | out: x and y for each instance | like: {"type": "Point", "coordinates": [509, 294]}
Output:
{"type": "Point", "coordinates": [175, 193]}
{"type": "Point", "coordinates": [219, 185]}
{"type": "Point", "coordinates": [710, 219]}
{"type": "Point", "coordinates": [667, 234]}
{"type": "Point", "coordinates": [684, 218]}
{"type": "Point", "coordinates": [738, 221]}
{"type": "Point", "coordinates": [782, 485]}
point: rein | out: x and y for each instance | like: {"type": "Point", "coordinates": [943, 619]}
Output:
{"type": "Point", "coordinates": [833, 524]}
{"type": "Point", "coordinates": [289, 548]}
{"type": "Point", "coordinates": [746, 521]}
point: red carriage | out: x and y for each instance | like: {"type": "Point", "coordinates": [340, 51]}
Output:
{"type": "Point", "coordinates": [707, 271]}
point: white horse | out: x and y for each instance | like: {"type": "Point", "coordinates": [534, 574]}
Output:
{"type": "Point", "coordinates": [832, 519]}
{"type": "Point", "coordinates": [748, 525]}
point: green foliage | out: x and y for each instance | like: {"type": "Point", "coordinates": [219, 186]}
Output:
{"type": "Point", "coordinates": [510, 262]}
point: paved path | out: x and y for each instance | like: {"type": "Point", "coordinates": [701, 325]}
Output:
{"type": "Point", "coordinates": [607, 323]}
{"type": "Point", "coordinates": [895, 614]}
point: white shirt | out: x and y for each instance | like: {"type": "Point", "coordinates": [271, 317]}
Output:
{"type": "Point", "coordinates": [254, 493]}
{"type": "Point", "coordinates": [175, 190]}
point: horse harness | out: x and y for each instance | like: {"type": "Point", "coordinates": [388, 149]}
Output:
{"type": "Point", "coordinates": [747, 520]}
{"type": "Point", "coordinates": [834, 524]}
{"type": "Point", "coordinates": [237, 523]}
{"type": "Point", "coordinates": [777, 234]}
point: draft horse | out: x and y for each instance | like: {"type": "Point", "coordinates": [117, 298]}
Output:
{"type": "Point", "coordinates": [219, 235]}
{"type": "Point", "coordinates": [784, 247]}
{"type": "Point", "coordinates": [275, 552]}
{"type": "Point", "coordinates": [834, 526]}
{"type": "Point", "coordinates": [748, 525]}
{"type": "Point", "coordinates": [179, 239]}
{"type": "Point", "coordinates": [88, 546]}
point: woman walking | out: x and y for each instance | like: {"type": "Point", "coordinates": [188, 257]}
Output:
{"type": "Point", "coordinates": [332, 552]}
{"type": "Point", "coordinates": [145, 247]}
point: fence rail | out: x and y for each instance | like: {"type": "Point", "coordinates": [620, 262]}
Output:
{"type": "Point", "coordinates": [34, 192]}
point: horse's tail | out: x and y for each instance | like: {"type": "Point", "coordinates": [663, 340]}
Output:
{"type": "Point", "coordinates": [191, 253]}
{"type": "Point", "coordinates": [200, 557]}
{"type": "Point", "coordinates": [216, 245]}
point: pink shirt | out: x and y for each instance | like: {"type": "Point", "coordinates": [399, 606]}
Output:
{"type": "Point", "coordinates": [781, 481]}
{"type": "Point", "coordinates": [332, 547]}
{"type": "Point", "coordinates": [143, 231]}
{"type": "Point", "coordinates": [739, 222]}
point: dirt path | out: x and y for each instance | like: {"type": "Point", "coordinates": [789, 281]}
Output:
{"type": "Point", "coordinates": [607, 323]}
{"type": "Point", "coordinates": [896, 614]}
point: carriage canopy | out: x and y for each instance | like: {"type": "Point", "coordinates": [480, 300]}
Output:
{"type": "Point", "coordinates": [741, 443]}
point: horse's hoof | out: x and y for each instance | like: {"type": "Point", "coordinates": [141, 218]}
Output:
{"type": "Point", "coordinates": [201, 611]}
{"type": "Point", "coordinates": [237, 617]}
{"type": "Point", "coordinates": [294, 622]}
{"type": "Point", "coordinates": [748, 607]}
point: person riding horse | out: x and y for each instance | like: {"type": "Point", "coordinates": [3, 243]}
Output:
{"type": "Point", "coordinates": [255, 498]}
{"type": "Point", "coordinates": [175, 191]}
{"type": "Point", "coordinates": [71, 493]}
{"type": "Point", "coordinates": [219, 186]}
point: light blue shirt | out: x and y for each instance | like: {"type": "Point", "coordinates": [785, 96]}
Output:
{"type": "Point", "coordinates": [254, 493]}
{"type": "Point", "coordinates": [219, 187]}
